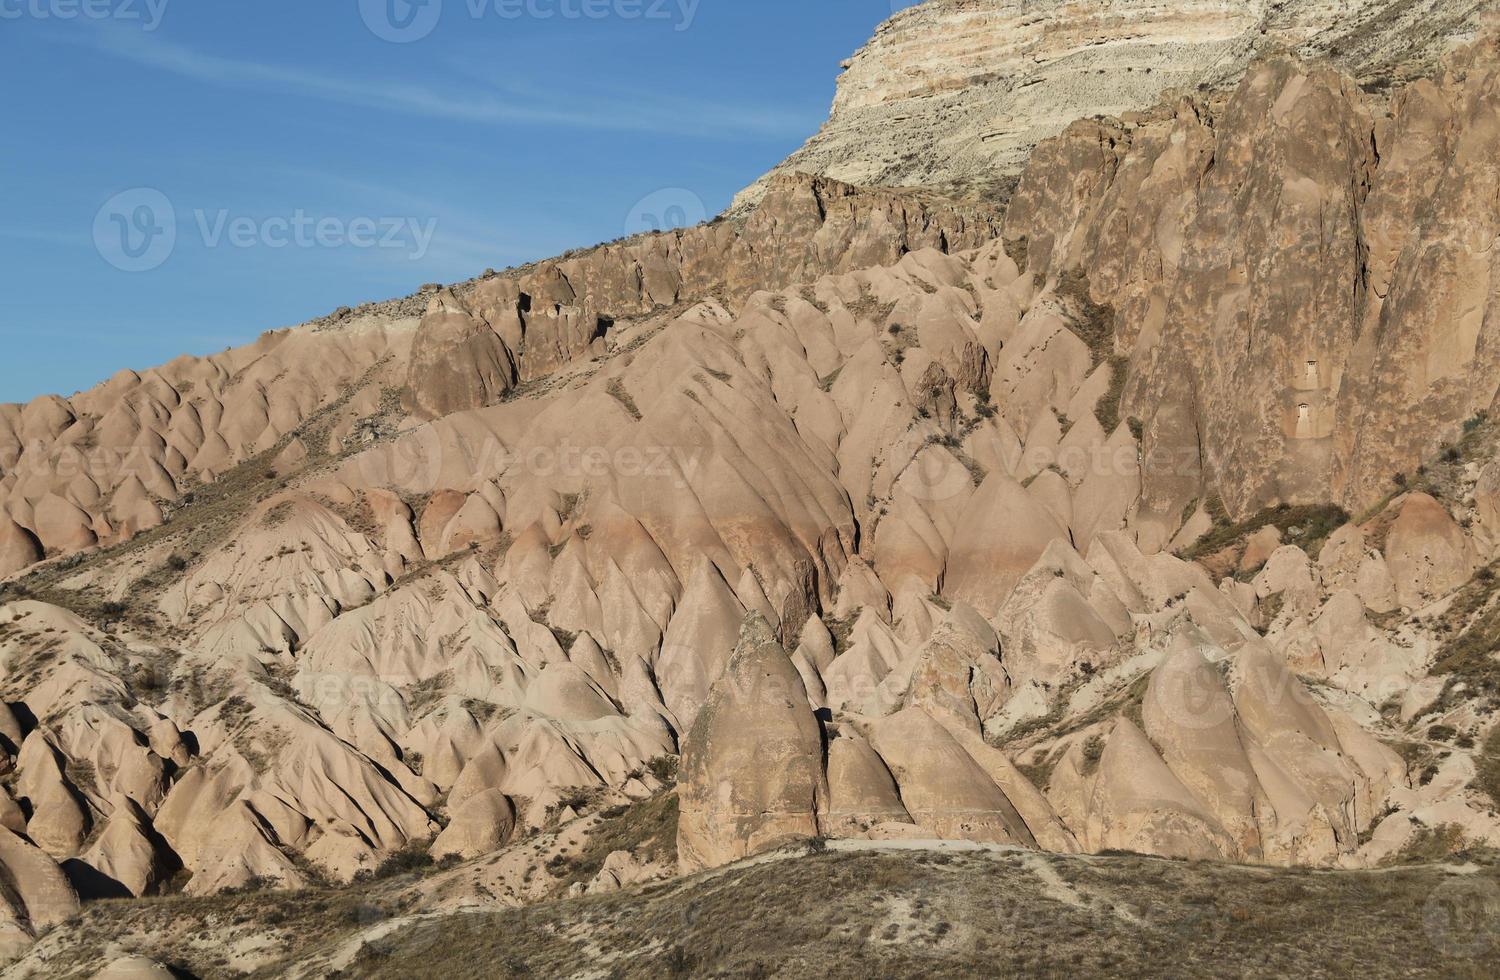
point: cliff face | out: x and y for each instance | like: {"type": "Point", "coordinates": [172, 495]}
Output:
{"type": "Point", "coordinates": [1300, 279]}
{"type": "Point", "coordinates": [954, 94]}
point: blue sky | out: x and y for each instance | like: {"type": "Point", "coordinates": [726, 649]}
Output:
{"type": "Point", "coordinates": [307, 154]}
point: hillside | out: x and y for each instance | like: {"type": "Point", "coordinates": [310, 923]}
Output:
{"type": "Point", "coordinates": [1138, 526]}
{"type": "Point", "coordinates": [858, 910]}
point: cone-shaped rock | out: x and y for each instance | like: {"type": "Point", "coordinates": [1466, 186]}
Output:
{"type": "Point", "coordinates": [752, 764]}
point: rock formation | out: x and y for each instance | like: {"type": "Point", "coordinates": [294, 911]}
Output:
{"type": "Point", "coordinates": [752, 764]}
{"type": "Point", "coordinates": [1157, 514]}
{"type": "Point", "coordinates": [955, 94]}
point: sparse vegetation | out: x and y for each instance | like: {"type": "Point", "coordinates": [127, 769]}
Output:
{"type": "Point", "coordinates": [1108, 409]}
{"type": "Point", "coordinates": [1428, 845]}
{"type": "Point", "coordinates": [1094, 323]}
{"type": "Point", "coordinates": [1093, 751]}
{"type": "Point", "coordinates": [1472, 623]}
{"type": "Point", "coordinates": [411, 859]}
{"type": "Point", "coordinates": [1306, 527]}
{"type": "Point", "coordinates": [870, 309]}
{"type": "Point", "coordinates": [616, 389]}
{"type": "Point", "coordinates": [1487, 777]}
{"type": "Point", "coordinates": [1018, 249]}
{"type": "Point", "coordinates": [838, 914]}
{"type": "Point", "coordinates": [1039, 772]}
{"type": "Point", "coordinates": [647, 830]}
{"type": "Point", "coordinates": [840, 629]}
{"type": "Point", "coordinates": [664, 768]}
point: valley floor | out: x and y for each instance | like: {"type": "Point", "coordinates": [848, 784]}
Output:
{"type": "Point", "coordinates": [851, 909]}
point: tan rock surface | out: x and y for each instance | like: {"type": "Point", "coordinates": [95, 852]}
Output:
{"type": "Point", "coordinates": [483, 823]}
{"type": "Point", "coordinates": [752, 771]}
{"type": "Point", "coordinates": [955, 93]}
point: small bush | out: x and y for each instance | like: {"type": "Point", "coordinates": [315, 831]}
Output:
{"type": "Point", "coordinates": [410, 859]}
{"type": "Point", "coordinates": [1108, 409]}
{"type": "Point", "coordinates": [1093, 751]}
{"type": "Point", "coordinates": [664, 768]}
{"type": "Point", "coordinates": [617, 390]}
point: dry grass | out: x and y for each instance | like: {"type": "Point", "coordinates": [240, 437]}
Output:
{"type": "Point", "coordinates": [1094, 323]}
{"type": "Point", "coordinates": [832, 913]}
{"type": "Point", "coordinates": [1487, 779]}
{"type": "Point", "coordinates": [647, 830]}
{"type": "Point", "coordinates": [920, 914]}
{"type": "Point", "coordinates": [1108, 409]}
{"type": "Point", "coordinates": [620, 394]}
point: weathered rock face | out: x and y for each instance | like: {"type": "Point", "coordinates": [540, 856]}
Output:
{"type": "Point", "coordinates": [752, 772]}
{"type": "Point", "coordinates": [100, 467]}
{"type": "Point", "coordinates": [554, 312]}
{"type": "Point", "coordinates": [1294, 242]}
{"type": "Point", "coordinates": [480, 826]}
{"type": "Point", "coordinates": [37, 895]}
{"type": "Point", "coordinates": [954, 94]}
{"type": "Point", "coordinates": [325, 619]}
{"type": "Point", "coordinates": [19, 548]}
{"type": "Point", "coordinates": [1426, 355]}
{"type": "Point", "coordinates": [458, 362]}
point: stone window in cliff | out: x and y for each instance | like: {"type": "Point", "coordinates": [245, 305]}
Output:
{"type": "Point", "coordinates": [1312, 373]}
{"type": "Point", "coordinates": [1304, 422]}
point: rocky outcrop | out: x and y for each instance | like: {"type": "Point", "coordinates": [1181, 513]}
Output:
{"type": "Point", "coordinates": [476, 340]}
{"type": "Point", "coordinates": [481, 825]}
{"type": "Point", "coordinates": [752, 772]}
{"type": "Point", "coordinates": [1300, 177]}
{"type": "Point", "coordinates": [458, 362]}
{"type": "Point", "coordinates": [36, 895]}
{"type": "Point", "coordinates": [19, 548]}
{"type": "Point", "coordinates": [954, 94]}
{"type": "Point", "coordinates": [1427, 553]}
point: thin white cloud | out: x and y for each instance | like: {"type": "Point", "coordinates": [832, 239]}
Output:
{"type": "Point", "coordinates": [43, 237]}
{"type": "Point", "coordinates": [477, 101]}
{"type": "Point", "coordinates": [460, 241]}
